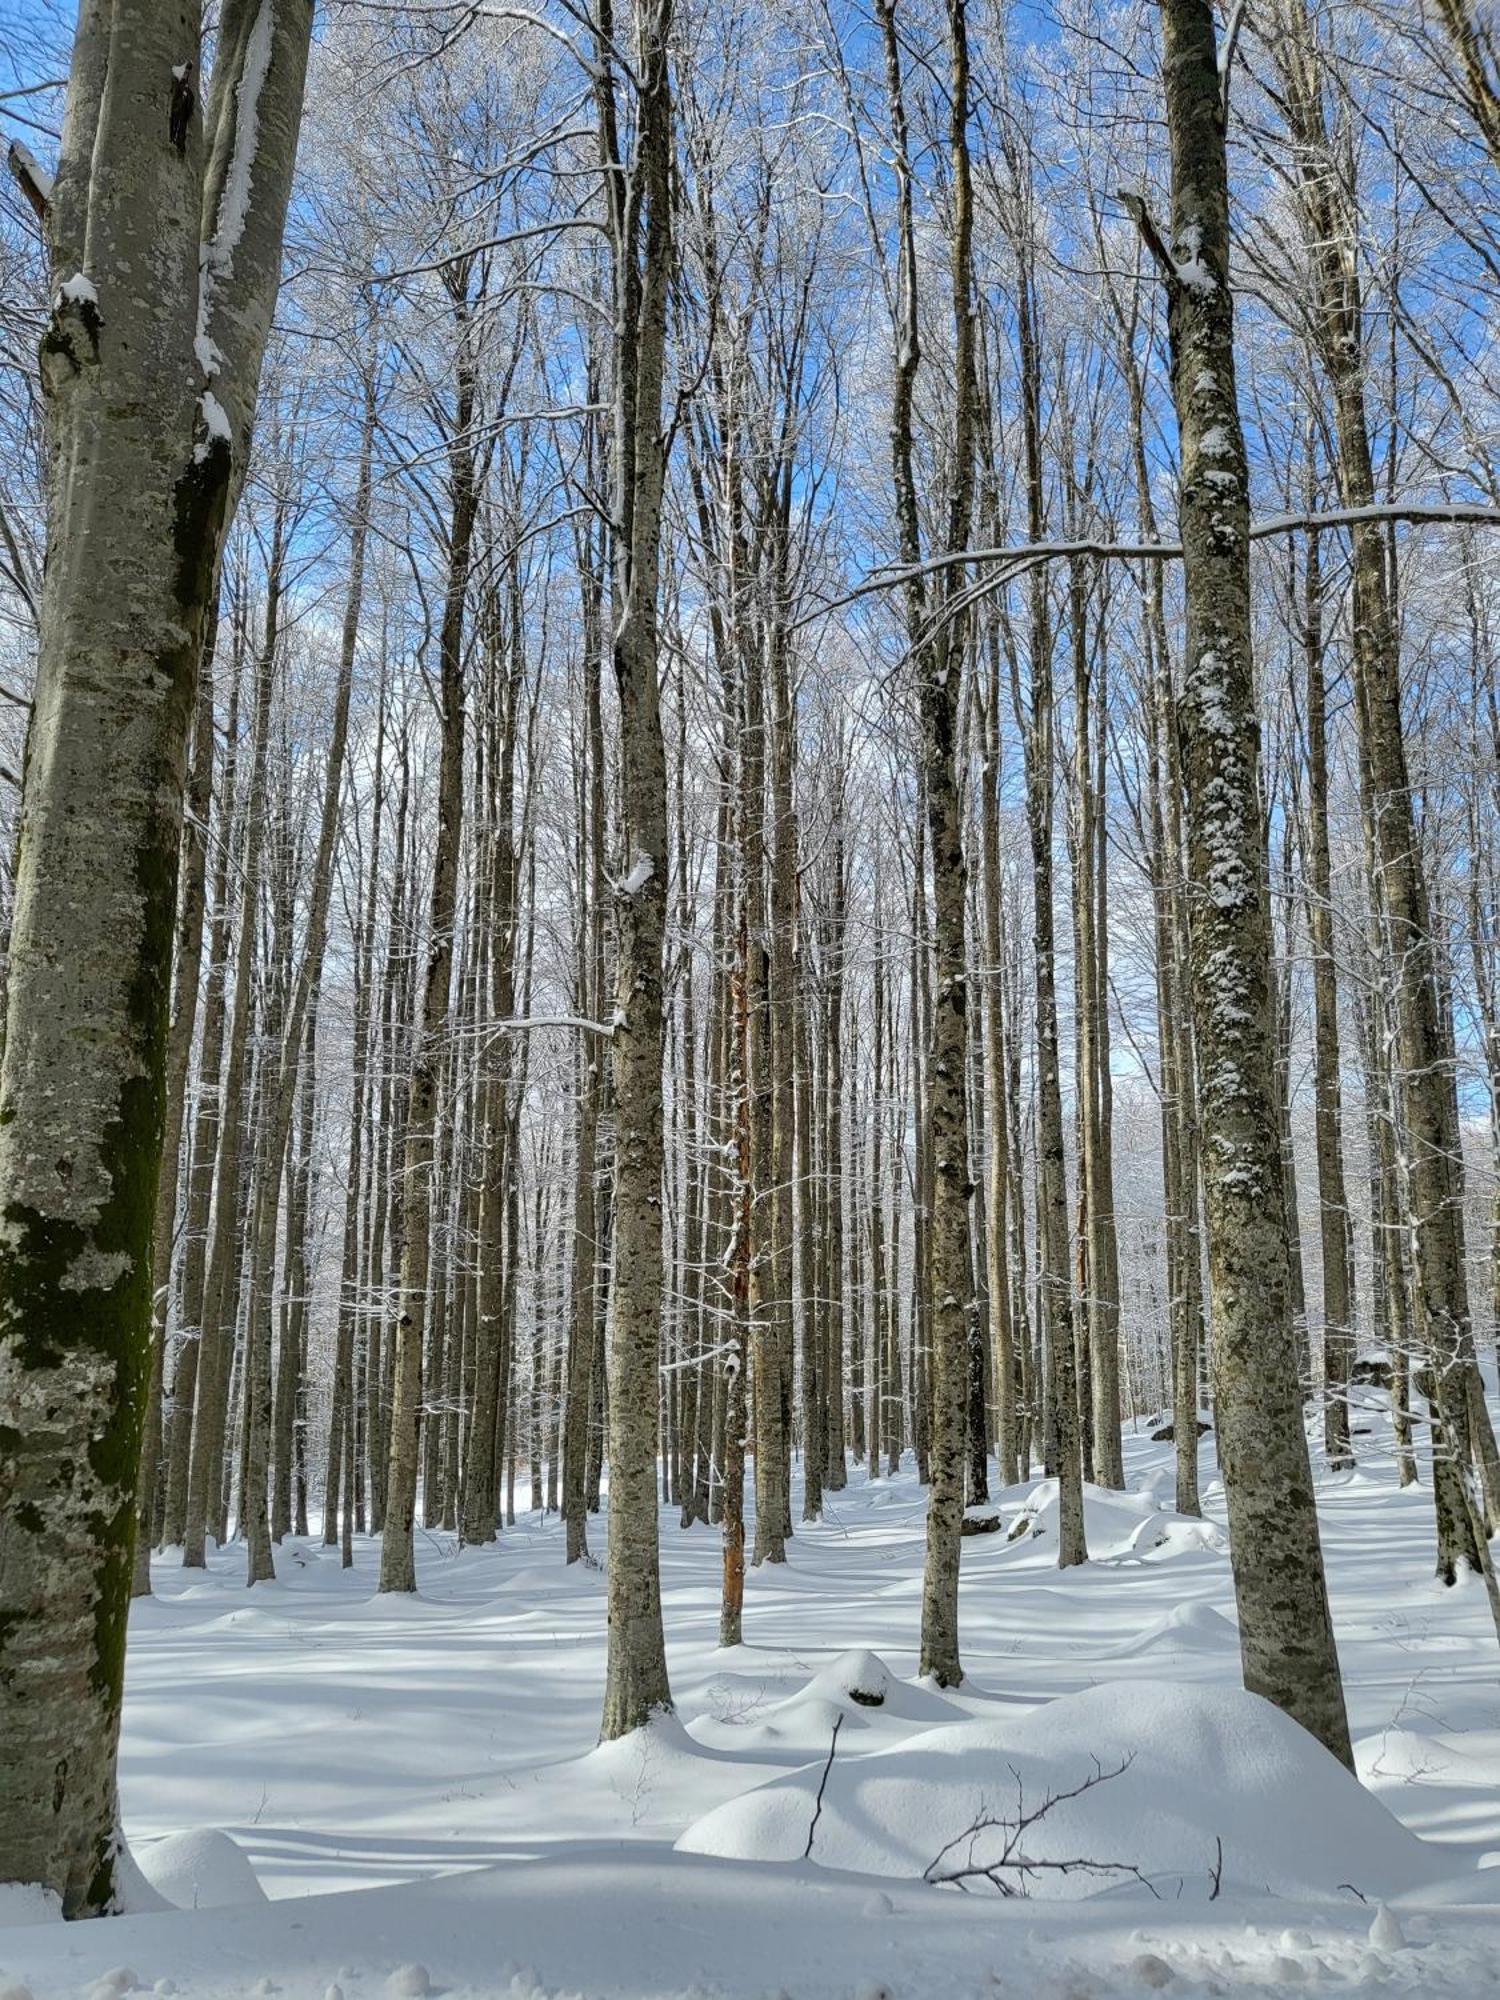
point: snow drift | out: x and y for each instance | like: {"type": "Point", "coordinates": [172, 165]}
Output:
{"type": "Point", "coordinates": [1185, 1791]}
{"type": "Point", "coordinates": [1120, 1527]}
{"type": "Point", "coordinates": [857, 1690]}
{"type": "Point", "coordinates": [203, 1869]}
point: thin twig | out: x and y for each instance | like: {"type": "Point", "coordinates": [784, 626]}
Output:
{"type": "Point", "coordinates": [822, 1787]}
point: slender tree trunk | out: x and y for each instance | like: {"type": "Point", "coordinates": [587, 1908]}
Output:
{"type": "Point", "coordinates": [1333, 1206]}
{"type": "Point", "coordinates": [640, 207]}
{"type": "Point", "coordinates": [189, 961]}
{"type": "Point", "coordinates": [586, 1237]}
{"type": "Point", "coordinates": [1053, 1233]}
{"type": "Point", "coordinates": [206, 1125]}
{"type": "Point", "coordinates": [831, 1374]}
{"type": "Point", "coordinates": [939, 662]}
{"type": "Point", "coordinates": [221, 1284]}
{"type": "Point", "coordinates": [764, 1333]}
{"type": "Point", "coordinates": [397, 1555]}
{"type": "Point", "coordinates": [1440, 1290]}
{"type": "Point", "coordinates": [736, 1414]}
{"type": "Point", "coordinates": [814, 1431]}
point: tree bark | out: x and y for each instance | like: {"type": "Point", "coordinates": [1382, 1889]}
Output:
{"type": "Point", "coordinates": [127, 599]}
{"type": "Point", "coordinates": [639, 197]}
{"type": "Point", "coordinates": [397, 1555]}
{"type": "Point", "coordinates": [1286, 1637]}
{"type": "Point", "coordinates": [191, 901]}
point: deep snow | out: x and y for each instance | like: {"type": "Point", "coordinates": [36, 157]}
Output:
{"type": "Point", "coordinates": [433, 1761]}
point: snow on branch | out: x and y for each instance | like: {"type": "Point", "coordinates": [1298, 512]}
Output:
{"type": "Point", "coordinates": [526, 1024]}
{"type": "Point", "coordinates": [1007, 562]}
{"type": "Point", "coordinates": [32, 178]}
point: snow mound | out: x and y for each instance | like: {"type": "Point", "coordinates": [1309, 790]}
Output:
{"type": "Point", "coordinates": [202, 1870]}
{"type": "Point", "coordinates": [1186, 1628]}
{"type": "Point", "coordinates": [858, 1675]}
{"type": "Point", "coordinates": [1160, 1775]}
{"type": "Point", "coordinates": [855, 1691]}
{"type": "Point", "coordinates": [860, 1681]}
{"type": "Point", "coordinates": [1408, 1756]}
{"type": "Point", "coordinates": [1120, 1527]}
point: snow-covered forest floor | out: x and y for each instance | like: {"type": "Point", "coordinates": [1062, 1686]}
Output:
{"type": "Point", "coordinates": [416, 1786]}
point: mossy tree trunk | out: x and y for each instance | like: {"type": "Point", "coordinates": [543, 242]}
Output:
{"type": "Point", "coordinates": [127, 602]}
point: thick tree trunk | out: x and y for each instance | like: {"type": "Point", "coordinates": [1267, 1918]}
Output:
{"type": "Point", "coordinates": [127, 600]}
{"type": "Point", "coordinates": [1286, 1637]}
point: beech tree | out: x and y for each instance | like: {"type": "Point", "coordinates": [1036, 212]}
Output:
{"type": "Point", "coordinates": [838, 824]}
{"type": "Point", "coordinates": [638, 198]}
{"type": "Point", "coordinates": [1286, 1636]}
{"type": "Point", "coordinates": [150, 362]}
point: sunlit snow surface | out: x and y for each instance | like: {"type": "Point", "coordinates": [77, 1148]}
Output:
{"type": "Point", "coordinates": [433, 1761]}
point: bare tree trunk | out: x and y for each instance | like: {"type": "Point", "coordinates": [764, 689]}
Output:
{"type": "Point", "coordinates": [1100, 1303]}
{"type": "Point", "coordinates": [939, 656]}
{"type": "Point", "coordinates": [221, 1285]}
{"type": "Point", "coordinates": [397, 1557]}
{"type": "Point", "coordinates": [337, 1480]}
{"type": "Point", "coordinates": [736, 1414]}
{"type": "Point", "coordinates": [831, 1373]}
{"type": "Point", "coordinates": [1333, 1205]}
{"type": "Point", "coordinates": [127, 599]}
{"type": "Point", "coordinates": [1440, 1289]}
{"type": "Point", "coordinates": [189, 961]}
{"type": "Point", "coordinates": [997, 1248]}
{"type": "Point", "coordinates": [1286, 1637]}
{"type": "Point", "coordinates": [206, 1125]}
{"type": "Point", "coordinates": [483, 1460]}
{"type": "Point", "coordinates": [814, 1430]}
{"type": "Point", "coordinates": [639, 197]}
{"type": "Point", "coordinates": [764, 1334]}
{"type": "Point", "coordinates": [1038, 727]}
{"type": "Point", "coordinates": [590, 978]}
{"type": "Point", "coordinates": [783, 1052]}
